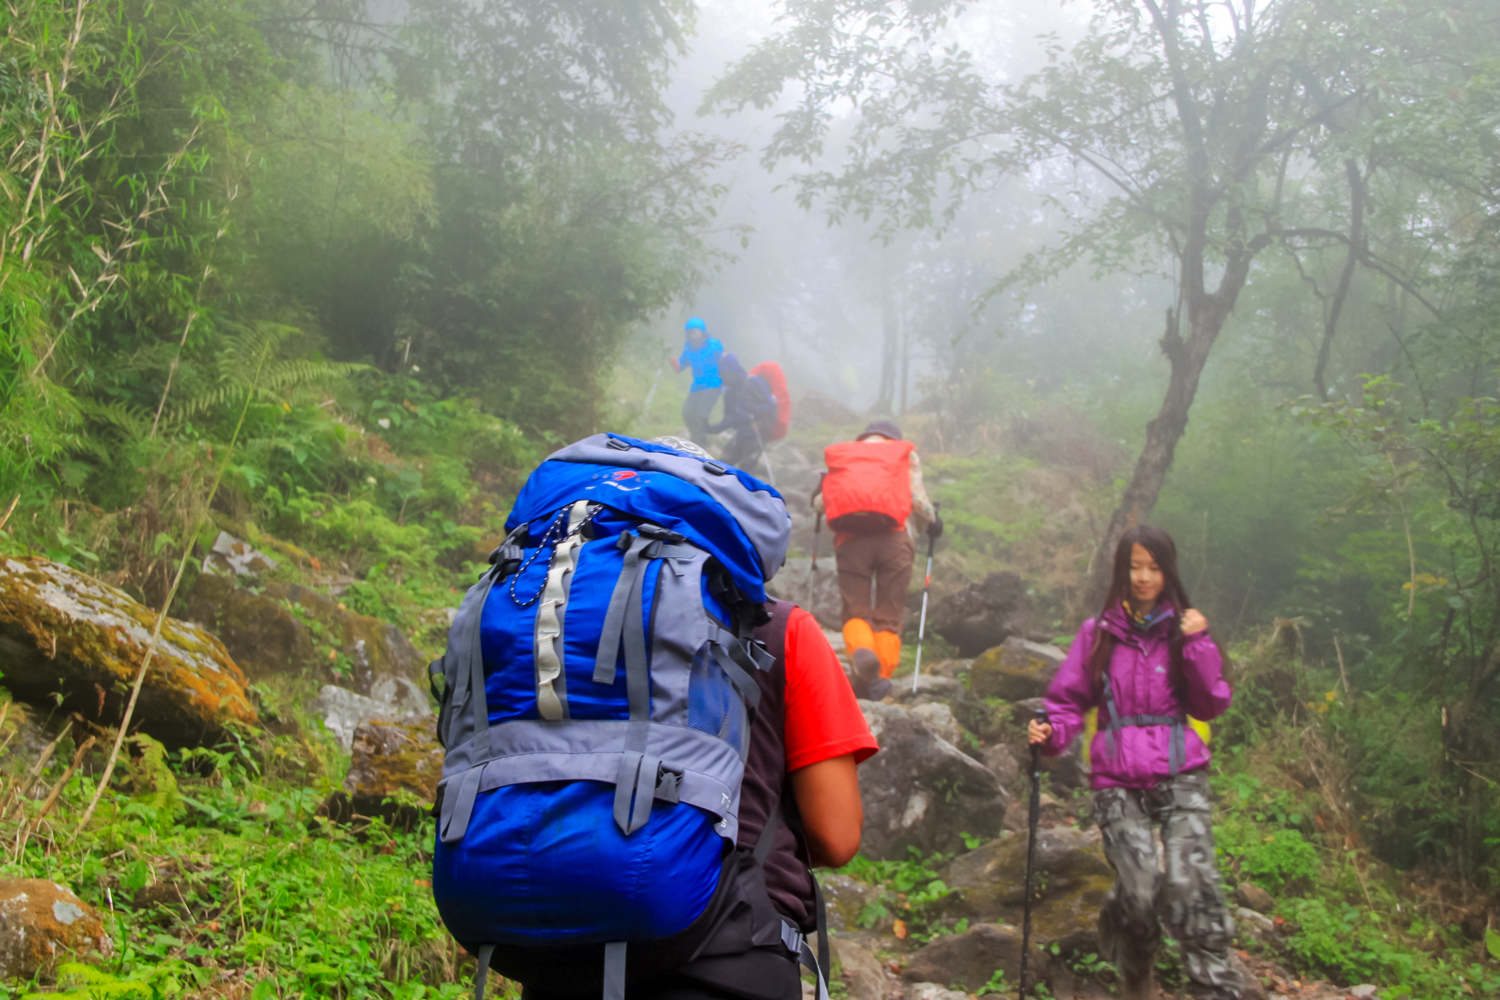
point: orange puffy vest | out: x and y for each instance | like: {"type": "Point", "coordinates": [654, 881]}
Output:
{"type": "Point", "coordinates": [868, 486]}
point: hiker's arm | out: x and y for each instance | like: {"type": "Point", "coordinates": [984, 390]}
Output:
{"type": "Point", "coordinates": [1071, 693]}
{"type": "Point", "coordinates": [1208, 693]}
{"type": "Point", "coordinates": [827, 796]}
{"type": "Point", "coordinates": [922, 511]}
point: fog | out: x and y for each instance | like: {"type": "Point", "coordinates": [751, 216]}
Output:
{"type": "Point", "coordinates": [817, 297]}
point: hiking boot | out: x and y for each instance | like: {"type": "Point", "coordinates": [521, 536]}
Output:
{"type": "Point", "coordinates": [866, 679]}
{"type": "Point", "coordinates": [866, 665]}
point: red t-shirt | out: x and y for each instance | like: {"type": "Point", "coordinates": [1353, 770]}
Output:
{"type": "Point", "coordinates": [823, 719]}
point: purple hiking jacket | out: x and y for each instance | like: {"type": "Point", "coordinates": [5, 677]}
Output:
{"type": "Point", "coordinates": [1138, 673]}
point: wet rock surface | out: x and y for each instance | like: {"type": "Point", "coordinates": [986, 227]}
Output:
{"type": "Point", "coordinates": [792, 581]}
{"type": "Point", "coordinates": [864, 976]}
{"type": "Point", "coordinates": [41, 924]}
{"type": "Point", "coordinates": [921, 791]}
{"type": "Point", "coordinates": [971, 959]}
{"type": "Point", "coordinates": [980, 616]}
{"type": "Point", "coordinates": [64, 632]}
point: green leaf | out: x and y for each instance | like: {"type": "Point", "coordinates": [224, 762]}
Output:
{"type": "Point", "coordinates": [1492, 942]}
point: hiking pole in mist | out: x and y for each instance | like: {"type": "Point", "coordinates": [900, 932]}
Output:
{"type": "Point", "coordinates": [1033, 818]}
{"type": "Point", "coordinates": [763, 456]}
{"type": "Point", "coordinates": [812, 575]}
{"type": "Point", "coordinates": [651, 394]}
{"type": "Point", "coordinates": [922, 628]}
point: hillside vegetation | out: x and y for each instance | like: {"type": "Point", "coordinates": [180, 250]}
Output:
{"type": "Point", "coordinates": [334, 281]}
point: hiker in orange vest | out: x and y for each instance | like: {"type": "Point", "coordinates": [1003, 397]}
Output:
{"type": "Point", "coordinates": [875, 502]}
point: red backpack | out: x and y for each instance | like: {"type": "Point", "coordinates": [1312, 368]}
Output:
{"type": "Point", "coordinates": [776, 379]}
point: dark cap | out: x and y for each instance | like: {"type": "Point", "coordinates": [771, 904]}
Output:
{"type": "Point", "coordinates": [730, 365]}
{"type": "Point", "coordinates": [885, 428]}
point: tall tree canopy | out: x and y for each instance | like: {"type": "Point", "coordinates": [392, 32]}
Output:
{"type": "Point", "coordinates": [1202, 135]}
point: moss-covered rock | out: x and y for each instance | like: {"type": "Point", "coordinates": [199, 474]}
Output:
{"type": "Point", "coordinates": [287, 628]}
{"type": "Point", "coordinates": [394, 768]}
{"type": "Point", "coordinates": [970, 959]}
{"type": "Point", "coordinates": [64, 633]}
{"type": "Point", "coordinates": [848, 898]}
{"type": "Point", "coordinates": [1014, 671]}
{"type": "Point", "coordinates": [41, 924]}
{"type": "Point", "coordinates": [1071, 879]}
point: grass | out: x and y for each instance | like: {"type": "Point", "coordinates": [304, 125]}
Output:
{"type": "Point", "coordinates": [214, 876]}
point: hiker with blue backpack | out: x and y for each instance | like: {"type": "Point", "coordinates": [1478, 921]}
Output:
{"type": "Point", "coordinates": [644, 754]}
{"type": "Point", "coordinates": [701, 353]}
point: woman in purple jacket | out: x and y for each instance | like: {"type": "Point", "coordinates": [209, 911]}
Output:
{"type": "Point", "coordinates": [1147, 663]}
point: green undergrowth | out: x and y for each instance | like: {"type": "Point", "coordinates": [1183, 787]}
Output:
{"type": "Point", "coordinates": [1300, 785]}
{"type": "Point", "coordinates": [214, 876]}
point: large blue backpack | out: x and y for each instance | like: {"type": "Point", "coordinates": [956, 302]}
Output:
{"type": "Point", "coordinates": [598, 689]}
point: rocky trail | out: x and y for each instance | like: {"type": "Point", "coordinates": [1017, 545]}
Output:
{"type": "Point", "coordinates": [931, 911]}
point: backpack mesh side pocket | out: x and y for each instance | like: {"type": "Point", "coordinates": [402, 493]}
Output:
{"type": "Point", "coordinates": [714, 706]}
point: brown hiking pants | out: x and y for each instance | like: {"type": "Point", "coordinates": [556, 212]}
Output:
{"type": "Point", "coordinates": [884, 560]}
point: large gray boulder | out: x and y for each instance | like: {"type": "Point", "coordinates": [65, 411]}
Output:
{"type": "Point", "coordinates": [792, 581]}
{"type": "Point", "coordinates": [921, 791]}
{"type": "Point", "coordinates": [981, 615]}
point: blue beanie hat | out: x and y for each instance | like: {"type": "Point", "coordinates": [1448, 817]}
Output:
{"type": "Point", "coordinates": [696, 324]}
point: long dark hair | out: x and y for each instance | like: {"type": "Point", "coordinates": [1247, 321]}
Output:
{"type": "Point", "coordinates": [1164, 551]}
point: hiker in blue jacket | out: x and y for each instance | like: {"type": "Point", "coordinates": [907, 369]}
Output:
{"type": "Point", "coordinates": [701, 353]}
{"type": "Point", "coordinates": [749, 411]}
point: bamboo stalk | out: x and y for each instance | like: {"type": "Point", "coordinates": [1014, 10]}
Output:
{"type": "Point", "coordinates": [51, 800]}
{"type": "Point", "coordinates": [187, 554]}
{"type": "Point", "coordinates": [19, 792]}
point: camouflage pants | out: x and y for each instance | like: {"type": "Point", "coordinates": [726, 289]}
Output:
{"type": "Point", "coordinates": [1186, 897]}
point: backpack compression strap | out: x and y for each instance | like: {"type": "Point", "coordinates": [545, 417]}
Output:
{"type": "Point", "coordinates": [1176, 757]}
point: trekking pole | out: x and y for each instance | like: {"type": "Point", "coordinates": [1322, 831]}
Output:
{"type": "Point", "coordinates": [763, 456]}
{"type": "Point", "coordinates": [1033, 818]}
{"type": "Point", "coordinates": [646, 409]}
{"type": "Point", "coordinates": [818, 528]}
{"type": "Point", "coordinates": [922, 628]}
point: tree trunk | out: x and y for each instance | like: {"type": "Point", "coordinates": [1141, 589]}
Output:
{"type": "Point", "coordinates": [890, 331]}
{"type": "Point", "coordinates": [1207, 313]}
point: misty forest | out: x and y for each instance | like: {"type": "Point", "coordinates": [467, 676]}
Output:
{"type": "Point", "coordinates": [296, 294]}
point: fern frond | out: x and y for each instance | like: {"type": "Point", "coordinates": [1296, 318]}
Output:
{"type": "Point", "coordinates": [245, 364]}
{"type": "Point", "coordinates": [131, 421]}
